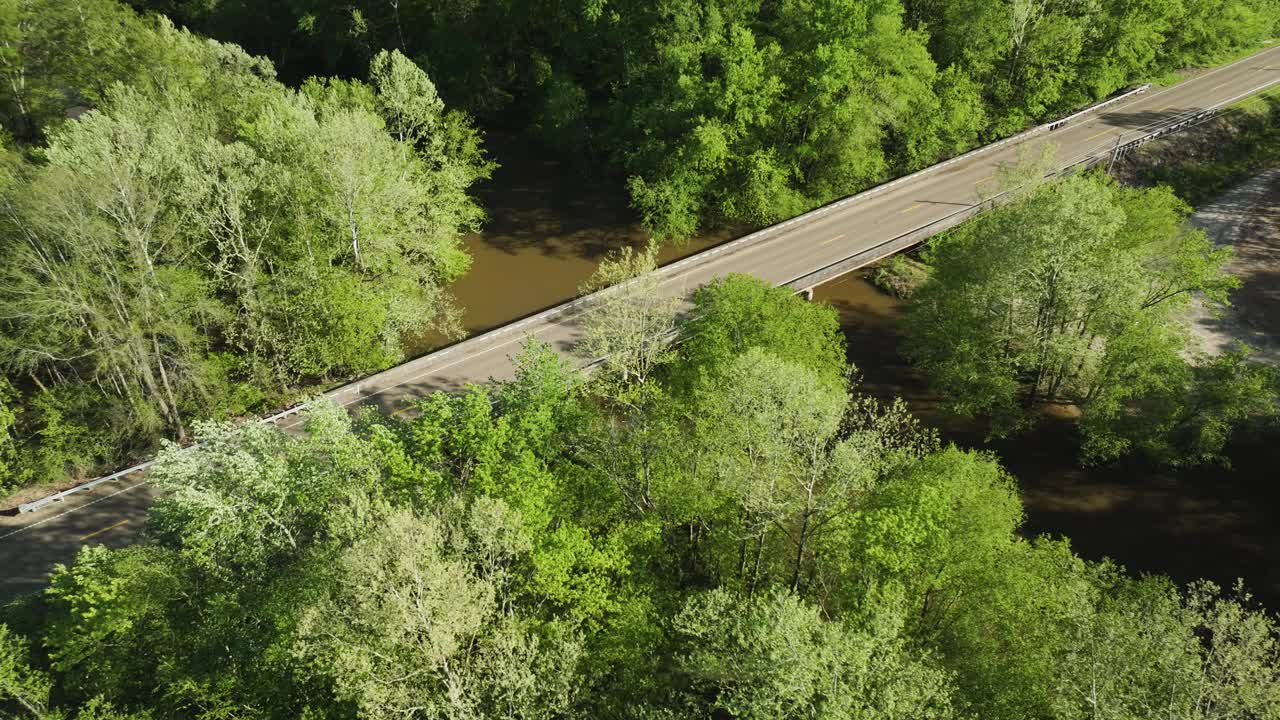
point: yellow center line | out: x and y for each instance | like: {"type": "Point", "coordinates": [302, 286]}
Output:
{"type": "Point", "coordinates": [989, 177]}
{"type": "Point", "coordinates": [99, 532]}
{"type": "Point", "coordinates": [828, 242]}
{"type": "Point", "coordinates": [913, 207]}
{"type": "Point", "coordinates": [404, 410]}
{"type": "Point", "coordinates": [1104, 132]}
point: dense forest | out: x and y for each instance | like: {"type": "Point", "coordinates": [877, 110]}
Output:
{"type": "Point", "coordinates": [725, 529]}
{"type": "Point", "coordinates": [200, 238]}
{"type": "Point", "coordinates": [183, 236]}
{"type": "Point", "coordinates": [743, 110]}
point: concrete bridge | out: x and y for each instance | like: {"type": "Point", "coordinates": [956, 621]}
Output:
{"type": "Point", "coordinates": [801, 253]}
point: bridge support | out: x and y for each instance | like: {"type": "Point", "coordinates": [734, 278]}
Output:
{"type": "Point", "coordinates": [807, 294]}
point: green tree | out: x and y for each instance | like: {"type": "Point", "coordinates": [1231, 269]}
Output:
{"type": "Point", "coordinates": [19, 682]}
{"type": "Point", "coordinates": [742, 113]}
{"type": "Point", "coordinates": [1148, 648]}
{"type": "Point", "coordinates": [102, 286]}
{"type": "Point", "coordinates": [774, 656]}
{"type": "Point", "coordinates": [376, 245]}
{"type": "Point", "coordinates": [792, 458]}
{"type": "Point", "coordinates": [8, 420]}
{"type": "Point", "coordinates": [408, 629]}
{"type": "Point", "coordinates": [736, 313]}
{"type": "Point", "coordinates": [933, 527]}
{"type": "Point", "coordinates": [630, 323]}
{"type": "Point", "coordinates": [204, 238]}
{"type": "Point", "coordinates": [1075, 292]}
{"type": "Point", "coordinates": [246, 497]}
{"type": "Point", "coordinates": [55, 56]}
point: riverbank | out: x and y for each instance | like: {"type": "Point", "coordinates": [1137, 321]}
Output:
{"type": "Point", "coordinates": [1202, 162]}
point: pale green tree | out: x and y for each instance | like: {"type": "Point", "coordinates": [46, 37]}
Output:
{"type": "Point", "coordinates": [794, 458]}
{"type": "Point", "coordinates": [1149, 649]}
{"type": "Point", "coordinates": [630, 322]}
{"type": "Point", "coordinates": [775, 656]}
{"type": "Point", "coordinates": [629, 327]}
{"type": "Point", "coordinates": [408, 629]}
{"type": "Point", "coordinates": [246, 495]}
{"type": "Point", "coordinates": [364, 241]}
{"type": "Point", "coordinates": [103, 285]}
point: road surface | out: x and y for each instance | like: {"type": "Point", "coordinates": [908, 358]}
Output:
{"type": "Point", "coordinates": [114, 513]}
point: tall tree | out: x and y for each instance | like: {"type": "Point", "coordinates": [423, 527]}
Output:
{"type": "Point", "coordinates": [102, 281]}
{"type": "Point", "coordinates": [775, 656]}
{"type": "Point", "coordinates": [1074, 292]}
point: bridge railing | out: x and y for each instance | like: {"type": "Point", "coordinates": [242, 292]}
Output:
{"type": "Point", "coordinates": [840, 267]}
{"type": "Point", "coordinates": [915, 236]}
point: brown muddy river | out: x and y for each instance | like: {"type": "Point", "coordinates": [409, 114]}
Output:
{"type": "Point", "coordinates": [548, 228]}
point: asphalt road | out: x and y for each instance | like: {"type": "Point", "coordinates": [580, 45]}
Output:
{"type": "Point", "coordinates": [114, 513]}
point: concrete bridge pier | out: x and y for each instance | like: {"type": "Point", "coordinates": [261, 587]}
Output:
{"type": "Point", "coordinates": [807, 294]}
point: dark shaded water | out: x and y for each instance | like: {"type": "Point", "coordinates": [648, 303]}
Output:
{"type": "Point", "coordinates": [1205, 522]}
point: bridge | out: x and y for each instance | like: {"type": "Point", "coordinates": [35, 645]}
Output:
{"type": "Point", "coordinates": [801, 253]}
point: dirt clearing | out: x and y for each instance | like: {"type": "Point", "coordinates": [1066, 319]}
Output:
{"type": "Point", "coordinates": [1247, 218]}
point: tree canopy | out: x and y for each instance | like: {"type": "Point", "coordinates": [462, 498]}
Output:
{"type": "Point", "coordinates": [1077, 292]}
{"type": "Point", "coordinates": [766, 544]}
{"type": "Point", "coordinates": [184, 237]}
{"type": "Point", "coordinates": [742, 111]}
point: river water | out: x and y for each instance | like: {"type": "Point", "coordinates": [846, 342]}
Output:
{"type": "Point", "coordinates": [548, 230]}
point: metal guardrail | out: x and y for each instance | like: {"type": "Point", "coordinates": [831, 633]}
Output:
{"type": "Point", "coordinates": [892, 246]}
{"type": "Point", "coordinates": [913, 237]}
{"type": "Point", "coordinates": [698, 259]}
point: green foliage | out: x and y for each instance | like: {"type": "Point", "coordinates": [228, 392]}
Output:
{"type": "Point", "coordinates": [56, 56]}
{"type": "Point", "coordinates": [745, 112]}
{"type": "Point", "coordinates": [933, 527]}
{"type": "Point", "coordinates": [736, 313]}
{"type": "Point", "coordinates": [20, 684]}
{"type": "Point", "coordinates": [1189, 413]}
{"type": "Point", "coordinates": [408, 628]}
{"type": "Point", "coordinates": [900, 276]}
{"type": "Point", "coordinates": [742, 115]}
{"type": "Point", "coordinates": [775, 656]}
{"type": "Point", "coordinates": [201, 239]}
{"type": "Point", "coordinates": [1147, 646]}
{"type": "Point", "coordinates": [770, 544]}
{"type": "Point", "coordinates": [8, 420]}
{"type": "Point", "coordinates": [1076, 292]}
{"type": "Point", "coordinates": [244, 497]}
{"type": "Point", "coordinates": [630, 325]}
{"type": "Point", "coordinates": [721, 527]}
{"type": "Point", "coordinates": [1033, 58]}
